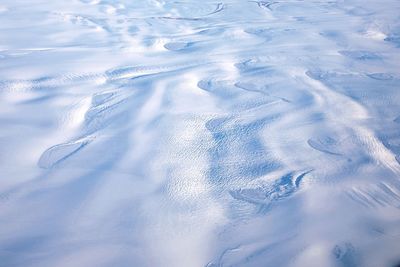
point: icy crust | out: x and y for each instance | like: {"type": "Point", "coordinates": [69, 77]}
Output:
{"type": "Point", "coordinates": [199, 133]}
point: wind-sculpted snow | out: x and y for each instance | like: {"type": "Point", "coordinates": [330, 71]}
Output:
{"type": "Point", "coordinates": [199, 133]}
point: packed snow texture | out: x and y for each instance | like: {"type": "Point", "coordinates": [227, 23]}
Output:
{"type": "Point", "coordinates": [200, 133]}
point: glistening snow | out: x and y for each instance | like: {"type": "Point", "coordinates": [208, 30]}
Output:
{"type": "Point", "coordinates": [199, 133]}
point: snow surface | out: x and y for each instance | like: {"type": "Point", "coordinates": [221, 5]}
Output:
{"type": "Point", "coordinates": [200, 133]}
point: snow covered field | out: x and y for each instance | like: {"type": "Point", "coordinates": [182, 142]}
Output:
{"type": "Point", "coordinates": [199, 133]}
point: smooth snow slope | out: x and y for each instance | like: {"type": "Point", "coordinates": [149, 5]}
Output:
{"type": "Point", "coordinates": [199, 133]}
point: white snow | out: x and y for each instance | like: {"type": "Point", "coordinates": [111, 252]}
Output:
{"type": "Point", "coordinates": [199, 133]}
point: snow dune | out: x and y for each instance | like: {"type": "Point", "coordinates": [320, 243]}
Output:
{"type": "Point", "coordinates": [199, 133]}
